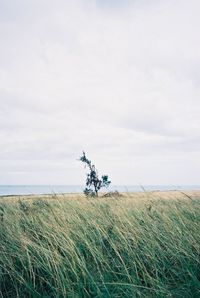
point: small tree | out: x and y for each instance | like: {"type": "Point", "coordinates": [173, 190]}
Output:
{"type": "Point", "coordinates": [93, 183]}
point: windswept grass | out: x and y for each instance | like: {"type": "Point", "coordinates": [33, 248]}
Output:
{"type": "Point", "coordinates": [105, 247]}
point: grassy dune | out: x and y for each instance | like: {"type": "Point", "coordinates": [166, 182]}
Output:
{"type": "Point", "coordinates": [137, 245]}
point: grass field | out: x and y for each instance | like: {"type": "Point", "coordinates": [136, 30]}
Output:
{"type": "Point", "coordinates": [136, 245]}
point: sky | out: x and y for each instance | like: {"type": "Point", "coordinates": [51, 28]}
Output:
{"type": "Point", "coordinates": [118, 79]}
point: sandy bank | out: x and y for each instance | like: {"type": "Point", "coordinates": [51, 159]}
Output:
{"type": "Point", "coordinates": [166, 195]}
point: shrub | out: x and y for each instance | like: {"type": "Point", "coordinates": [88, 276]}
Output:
{"type": "Point", "coordinates": [93, 183]}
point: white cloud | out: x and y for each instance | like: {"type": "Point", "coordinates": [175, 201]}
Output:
{"type": "Point", "coordinates": [120, 81]}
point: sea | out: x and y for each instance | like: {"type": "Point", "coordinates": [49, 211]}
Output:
{"type": "Point", "coordinates": [8, 190]}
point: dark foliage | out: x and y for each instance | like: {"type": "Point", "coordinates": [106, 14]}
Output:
{"type": "Point", "coordinates": [93, 183]}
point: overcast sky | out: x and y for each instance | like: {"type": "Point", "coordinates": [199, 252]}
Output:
{"type": "Point", "coordinates": [117, 78]}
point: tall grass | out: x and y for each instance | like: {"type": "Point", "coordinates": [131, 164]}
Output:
{"type": "Point", "coordinates": [106, 247]}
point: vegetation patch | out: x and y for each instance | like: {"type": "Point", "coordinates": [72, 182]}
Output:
{"type": "Point", "coordinates": [100, 247]}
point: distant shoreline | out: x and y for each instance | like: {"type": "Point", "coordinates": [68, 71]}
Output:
{"type": "Point", "coordinates": [31, 190]}
{"type": "Point", "coordinates": [157, 194]}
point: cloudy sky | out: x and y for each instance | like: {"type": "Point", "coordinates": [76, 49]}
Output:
{"type": "Point", "coordinates": [117, 78]}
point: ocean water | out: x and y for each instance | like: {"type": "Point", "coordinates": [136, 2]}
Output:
{"type": "Point", "coordinates": [6, 190]}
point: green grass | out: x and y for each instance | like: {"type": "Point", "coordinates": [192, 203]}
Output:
{"type": "Point", "coordinates": [105, 247]}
